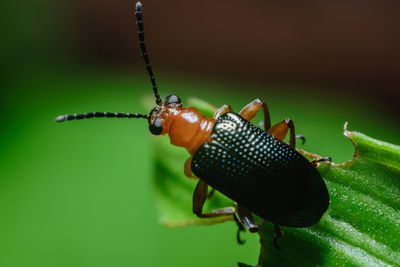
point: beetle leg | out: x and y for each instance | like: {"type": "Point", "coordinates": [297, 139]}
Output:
{"type": "Point", "coordinates": [244, 217]}
{"type": "Point", "coordinates": [316, 162]}
{"type": "Point", "coordinates": [302, 138]}
{"type": "Point", "coordinates": [199, 198]}
{"type": "Point", "coordinates": [188, 169]}
{"type": "Point", "coordinates": [251, 109]}
{"type": "Point", "coordinates": [188, 172]}
{"type": "Point", "coordinates": [247, 219]}
{"type": "Point", "coordinates": [222, 110]}
{"type": "Point", "coordinates": [277, 235]}
{"type": "Point", "coordinates": [240, 229]}
{"type": "Point", "coordinates": [280, 130]}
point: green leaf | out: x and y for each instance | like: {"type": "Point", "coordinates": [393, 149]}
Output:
{"type": "Point", "coordinates": [361, 226]}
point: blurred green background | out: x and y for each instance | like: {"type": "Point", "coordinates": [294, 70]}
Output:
{"type": "Point", "coordinates": [80, 193]}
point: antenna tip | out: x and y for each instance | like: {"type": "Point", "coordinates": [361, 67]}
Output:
{"type": "Point", "coordinates": [60, 118]}
{"type": "Point", "coordinates": [138, 6]}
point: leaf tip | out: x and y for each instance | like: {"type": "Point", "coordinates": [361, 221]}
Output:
{"type": "Point", "coordinates": [345, 131]}
{"type": "Point", "coordinates": [348, 134]}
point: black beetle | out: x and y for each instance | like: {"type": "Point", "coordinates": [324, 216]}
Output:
{"type": "Point", "coordinates": [255, 168]}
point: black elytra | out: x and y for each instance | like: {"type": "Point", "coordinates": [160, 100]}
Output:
{"type": "Point", "coordinates": [261, 173]}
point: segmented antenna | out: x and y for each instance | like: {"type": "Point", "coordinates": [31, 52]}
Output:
{"type": "Point", "coordinates": [139, 22]}
{"type": "Point", "coordinates": [88, 115]}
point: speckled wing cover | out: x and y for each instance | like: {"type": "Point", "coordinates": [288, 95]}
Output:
{"type": "Point", "coordinates": [261, 173]}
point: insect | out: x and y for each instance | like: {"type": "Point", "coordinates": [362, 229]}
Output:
{"type": "Point", "coordinates": [255, 168]}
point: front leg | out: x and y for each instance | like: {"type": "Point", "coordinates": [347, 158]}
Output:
{"type": "Point", "coordinates": [250, 111]}
{"type": "Point", "coordinates": [199, 198]}
{"type": "Point", "coordinates": [188, 170]}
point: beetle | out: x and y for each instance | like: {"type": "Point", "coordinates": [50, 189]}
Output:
{"type": "Point", "coordinates": [255, 168]}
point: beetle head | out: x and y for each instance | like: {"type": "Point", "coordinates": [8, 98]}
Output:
{"type": "Point", "coordinates": [161, 114]}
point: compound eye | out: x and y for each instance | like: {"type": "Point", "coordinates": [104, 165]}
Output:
{"type": "Point", "coordinates": [156, 127]}
{"type": "Point", "coordinates": [172, 99]}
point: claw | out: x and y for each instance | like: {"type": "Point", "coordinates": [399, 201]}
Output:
{"type": "Point", "coordinates": [302, 138]}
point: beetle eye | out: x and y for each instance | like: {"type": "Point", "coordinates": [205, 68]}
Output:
{"type": "Point", "coordinates": [172, 99]}
{"type": "Point", "coordinates": [156, 127]}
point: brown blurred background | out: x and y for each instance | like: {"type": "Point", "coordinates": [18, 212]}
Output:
{"type": "Point", "coordinates": [352, 45]}
{"type": "Point", "coordinates": [349, 47]}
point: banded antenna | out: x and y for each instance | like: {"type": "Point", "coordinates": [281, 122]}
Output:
{"type": "Point", "coordinates": [139, 22]}
{"type": "Point", "coordinates": [88, 115]}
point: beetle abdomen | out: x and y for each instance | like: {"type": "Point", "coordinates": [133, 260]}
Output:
{"type": "Point", "coordinates": [261, 173]}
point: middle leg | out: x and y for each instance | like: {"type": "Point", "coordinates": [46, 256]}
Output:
{"type": "Point", "coordinates": [241, 215]}
{"type": "Point", "coordinates": [244, 217]}
{"type": "Point", "coordinates": [277, 235]}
